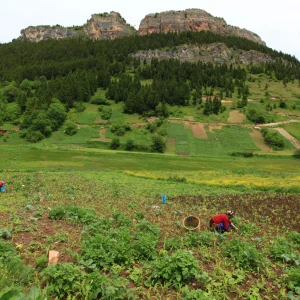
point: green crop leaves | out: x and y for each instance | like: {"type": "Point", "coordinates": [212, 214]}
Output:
{"type": "Point", "coordinates": [243, 254]}
{"type": "Point", "coordinates": [175, 269]}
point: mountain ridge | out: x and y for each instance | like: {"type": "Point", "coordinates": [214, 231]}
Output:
{"type": "Point", "coordinates": [112, 25]}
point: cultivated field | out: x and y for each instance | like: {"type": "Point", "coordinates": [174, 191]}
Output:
{"type": "Point", "coordinates": [102, 211]}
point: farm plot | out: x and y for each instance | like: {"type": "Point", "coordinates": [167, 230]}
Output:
{"type": "Point", "coordinates": [115, 236]}
{"type": "Point", "coordinates": [219, 142]}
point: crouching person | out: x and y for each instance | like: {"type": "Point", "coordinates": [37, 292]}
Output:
{"type": "Point", "coordinates": [222, 222]}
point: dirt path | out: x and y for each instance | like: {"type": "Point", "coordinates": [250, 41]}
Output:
{"type": "Point", "coordinates": [278, 123]}
{"type": "Point", "coordinates": [292, 139]}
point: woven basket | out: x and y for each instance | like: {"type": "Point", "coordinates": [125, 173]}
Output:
{"type": "Point", "coordinates": [191, 223]}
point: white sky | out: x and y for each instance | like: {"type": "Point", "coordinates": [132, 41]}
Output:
{"type": "Point", "coordinates": [275, 21]}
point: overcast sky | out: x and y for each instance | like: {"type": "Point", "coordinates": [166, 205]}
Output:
{"type": "Point", "coordinates": [275, 21]}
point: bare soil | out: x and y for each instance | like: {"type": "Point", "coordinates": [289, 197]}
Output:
{"type": "Point", "coordinates": [259, 140]}
{"type": "Point", "coordinates": [288, 136]}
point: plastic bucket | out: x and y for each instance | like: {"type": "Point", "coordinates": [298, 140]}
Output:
{"type": "Point", "coordinates": [191, 223]}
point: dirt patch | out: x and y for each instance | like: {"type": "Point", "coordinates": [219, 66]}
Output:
{"type": "Point", "coordinates": [37, 242]}
{"type": "Point", "coordinates": [236, 117]}
{"type": "Point", "coordinates": [187, 125]}
{"type": "Point", "coordinates": [259, 140]}
{"type": "Point", "coordinates": [189, 118]}
{"type": "Point", "coordinates": [279, 123]}
{"type": "Point", "coordinates": [152, 119]}
{"type": "Point", "coordinates": [227, 101]}
{"type": "Point", "coordinates": [212, 127]}
{"type": "Point", "coordinates": [102, 136]}
{"type": "Point", "coordinates": [198, 131]}
{"type": "Point", "coordinates": [139, 125]}
{"type": "Point", "coordinates": [289, 137]}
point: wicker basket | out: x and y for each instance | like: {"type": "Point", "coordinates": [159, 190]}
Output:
{"type": "Point", "coordinates": [191, 223]}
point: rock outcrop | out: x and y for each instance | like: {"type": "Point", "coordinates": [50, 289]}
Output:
{"type": "Point", "coordinates": [192, 20]}
{"type": "Point", "coordinates": [99, 27]}
{"type": "Point", "coordinates": [217, 53]}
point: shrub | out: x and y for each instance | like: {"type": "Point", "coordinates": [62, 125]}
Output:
{"type": "Point", "coordinates": [297, 153]}
{"type": "Point", "coordinates": [129, 146]}
{"type": "Point", "coordinates": [120, 129]}
{"type": "Point", "coordinates": [273, 138]}
{"type": "Point", "coordinates": [158, 144]}
{"type": "Point", "coordinates": [70, 128]}
{"type": "Point", "coordinates": [62, 279]}
{"type": "Point", "coordinates": [34, 136]}
{"type": "Point", "coordinates": [115, 143]}
{"type": "Point", "coordinates": [106, 113]}
{"type": "Point", "coordinates": [99, 101]}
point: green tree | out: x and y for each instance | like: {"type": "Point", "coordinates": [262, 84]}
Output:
{"type": "Point", "coordinates": [115, 143]}
{"type": "Point", "coordinates": [70, 128]}
{"type": "Point", "coordinates": [158, 144]}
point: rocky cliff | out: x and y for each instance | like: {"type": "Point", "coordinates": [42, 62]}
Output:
{"type": "Point", "coordinates": [192, 20]}
{"type": "Point", "coordinates": [217, 53]}
{"type": "Point", "coordinates": [99, 27]}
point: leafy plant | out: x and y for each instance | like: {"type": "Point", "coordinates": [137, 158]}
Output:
{"type": "Point", "coordinates": [195, 239]}
{"type": "Point", "coordinates": [73, 213]}
{"type": "Point", "coordinates": [5, 233]}
{"type": "Point", "coordinates": [62, 279]}
{"type": "Point", "coordinates": [101, 286]}
{"type": "Point", "coordinates": [244, 254]}
{"type": "Point", "coordinates": [294, 283]}
{"type": "Point", "coordinates": [174, 269]}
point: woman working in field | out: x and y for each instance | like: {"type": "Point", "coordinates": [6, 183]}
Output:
{"type": "Point", "coordinates": [222, 222]}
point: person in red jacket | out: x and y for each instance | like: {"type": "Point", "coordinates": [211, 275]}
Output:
{"type": "Point", "coordinates": [222, 222]}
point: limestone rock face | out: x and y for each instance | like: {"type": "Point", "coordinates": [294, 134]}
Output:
{"type": "Point", "coordinates": [192, 20]}
{"type": "Point", "coordinates": [99, 27]}
{"type": "Point", "coordinates": [217, 53]}
{"type": "Point", "coordinates": [107, 26]}
{"type": "Point", "coordinates": [39, 33]}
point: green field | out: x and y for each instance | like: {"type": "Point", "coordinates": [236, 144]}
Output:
{"type": "Point", "coordinates": [102, 211]}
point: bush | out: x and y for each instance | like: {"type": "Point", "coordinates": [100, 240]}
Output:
{"type": "Point", "coordinates": [297, 153]}
{"type": "Point", "coordinates": [99, 101]}
{"type": "Point", "coordinates": [33, 136]}
{"type": "Point", "coordinates": [70, 128]}
{"type": "Point", "coordinates": [129, 146]}
{"type": "Point", "coordinates": [106, 113]}
{"type": "Point", "coordinates": [115, 143]}
{"type": "Point", "coordinates": [158, 144]}
{"type": "Point", "coordinates": [273, 138]}
{"type": "Point", "coordinates": [120, 129]}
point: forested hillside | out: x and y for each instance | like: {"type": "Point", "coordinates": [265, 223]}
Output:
{"type": "Point", "coordinates": [46, 79]}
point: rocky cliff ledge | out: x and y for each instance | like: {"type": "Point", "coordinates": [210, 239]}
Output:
{"type": "Point", "coordinates": [99, 27]}
{"type": "Point", "coordinates": [192, 20]}
{"type": "Point", "coordinates": [217, 53]}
